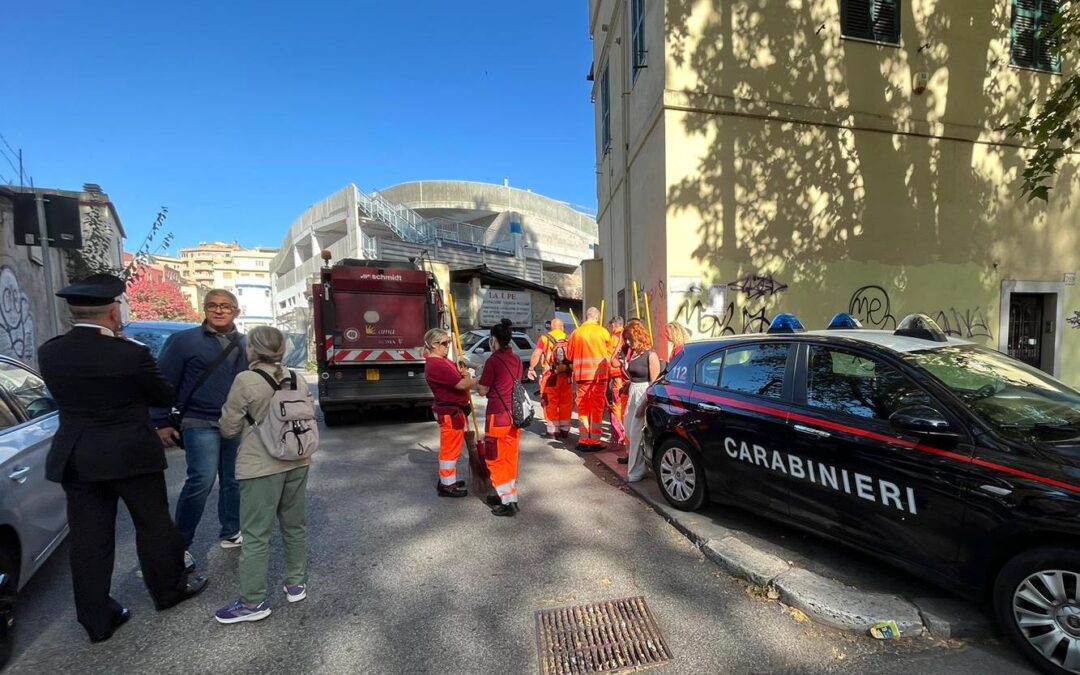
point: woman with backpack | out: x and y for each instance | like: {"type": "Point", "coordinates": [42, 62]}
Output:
{"type": "Point", "coordinates": [270, 488]}
{"type": "Point", "coordinates": [501, 437]}
{"type": "Point", "coordinates": [642, 367]}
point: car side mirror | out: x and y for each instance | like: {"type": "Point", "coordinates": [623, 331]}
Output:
{"type": "Point", "coordinates": [922, 420]}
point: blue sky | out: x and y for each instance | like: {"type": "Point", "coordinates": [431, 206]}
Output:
{"type": "Point", "coordinates": [239, 115]}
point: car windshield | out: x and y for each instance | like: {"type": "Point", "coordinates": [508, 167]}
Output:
{"type": "Point", "coordinates": [469, 339]}
{"type": "Point", "coordinates": [1013, 397]}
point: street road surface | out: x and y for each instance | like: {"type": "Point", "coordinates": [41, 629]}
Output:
{"type": "Point", "coordinates": [402, 581]}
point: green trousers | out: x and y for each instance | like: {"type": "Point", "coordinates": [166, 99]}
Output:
{"type": "Point", "coordinates": [281, 496]}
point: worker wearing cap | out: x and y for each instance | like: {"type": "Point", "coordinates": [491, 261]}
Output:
{"type": "Point", "coordinates": [556, 389]}
{"type": "Point", "coordinates": [105, 450]}
{"type": "Point", "coordinates": [589, 351]}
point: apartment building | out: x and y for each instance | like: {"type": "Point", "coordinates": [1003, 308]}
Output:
{"type": "Point", "coordinates": [243, 271]}
{"type": "Point", "coordinates": [818, 156]}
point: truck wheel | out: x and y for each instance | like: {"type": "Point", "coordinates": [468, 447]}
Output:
{"type": "Point", "coordinates": [1037, 604]}
{"type": "Point", "coordinates": [334, 418]}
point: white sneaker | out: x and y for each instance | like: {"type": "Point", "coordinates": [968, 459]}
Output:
{"type": "Point", "coordinates": [189, 562]}
{"type": "Point", "coordinates": [235, 541]}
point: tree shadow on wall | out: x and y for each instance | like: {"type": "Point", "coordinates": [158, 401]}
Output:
{"type": "Point", "coordinates": [786, 188]}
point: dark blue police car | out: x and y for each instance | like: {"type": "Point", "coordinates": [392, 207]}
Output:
{"type": "Point", "coordinates": [943, 457]}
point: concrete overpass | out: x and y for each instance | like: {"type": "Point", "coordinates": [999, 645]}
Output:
{"type": "Point", "coordinates": [465, 224]}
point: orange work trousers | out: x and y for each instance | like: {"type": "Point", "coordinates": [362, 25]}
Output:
{"type": "Point", "coordinates": [451, 441]}
{"type": "Point", "coordinates": [556, 395]}
{"type": "Point", "coordinates": [504, 466]}
{"type": "Point", "coordinates": [591, 402]}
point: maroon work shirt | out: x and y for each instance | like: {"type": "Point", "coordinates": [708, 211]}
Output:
{"type": "Point", "coordinates": [442, 376]}
{"type": "Point", "coordinates": [501, 371]}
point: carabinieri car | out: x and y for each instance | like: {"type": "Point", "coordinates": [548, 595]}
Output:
{"type": "Point", "coordinates": [943, 457]}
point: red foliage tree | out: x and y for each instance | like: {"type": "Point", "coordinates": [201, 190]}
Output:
{"type": "Point", "coordinates": [151, 300]}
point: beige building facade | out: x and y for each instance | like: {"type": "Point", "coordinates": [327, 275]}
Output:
{"type": "Point", "coordinates": [242, 271]}
{"type": "Point", "coordinates": [760, 157]}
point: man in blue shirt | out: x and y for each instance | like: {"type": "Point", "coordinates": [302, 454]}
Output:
{"type": "Point", "coordinates": [185, 358]}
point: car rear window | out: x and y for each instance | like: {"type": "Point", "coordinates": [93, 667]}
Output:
{"type": "Point", "coordinates": [522, 344]}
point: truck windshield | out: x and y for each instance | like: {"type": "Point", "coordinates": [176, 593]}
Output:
{"type": "Point", "coordinates": [1013, 397]}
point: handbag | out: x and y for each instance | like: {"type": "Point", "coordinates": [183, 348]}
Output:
{"type": "Point", "coordinates": [176, 415]}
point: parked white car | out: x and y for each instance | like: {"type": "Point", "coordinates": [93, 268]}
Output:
{"type": "Point", "coordinates": [476, 345]}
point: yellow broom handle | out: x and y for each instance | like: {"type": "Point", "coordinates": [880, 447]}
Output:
{"type": "Point", "coordinates": [648, 314]}
{"type": "Point", "coordinates": [637, 305]}
{"type": "Point", "coordinates": [602, 312]}
{"type": "Point", "coordinates": [574, 317]}
{"type": "Point", "coordinates": [460, 353]}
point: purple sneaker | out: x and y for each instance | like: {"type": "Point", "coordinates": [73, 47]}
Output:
{"type": "Point", "coordinates": [295, 592]}
{"type": "Point", "coordinates": [238, 611]}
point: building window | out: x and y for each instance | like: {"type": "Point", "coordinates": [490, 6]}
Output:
{"type": "Point", "coordinates": [1033, 46]}
{"type": "Point", "coordinates": [605, 112]}
{"type": "Point", "coordinates": [637, 21]}
{"type": "Point", "coordinates": [873, 20]}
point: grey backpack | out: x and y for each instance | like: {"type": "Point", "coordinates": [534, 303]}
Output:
{"type": "Point", "coordinates": [289, 432]}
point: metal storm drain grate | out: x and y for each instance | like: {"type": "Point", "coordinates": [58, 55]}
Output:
{"type": "Point", "coordinates": [603, 637]}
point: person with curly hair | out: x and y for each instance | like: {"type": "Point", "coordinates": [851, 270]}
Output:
{"type": "Point", "coordinates": [642, 367]}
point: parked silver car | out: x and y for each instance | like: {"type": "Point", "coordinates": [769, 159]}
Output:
{"type": "Point", "coordinates": [33, 511]}
{"type": "Point", "coordinates": [477, 347]}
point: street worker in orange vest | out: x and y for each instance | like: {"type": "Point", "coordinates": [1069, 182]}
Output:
{"type": "Point", "coordinates": [590, 349]}
{"type": "Point", "coordinates": [617, 385]}
{"type": "Point", "coordinates": [556, 390]}
{"type": "Point", "coordinates": [450, 384]}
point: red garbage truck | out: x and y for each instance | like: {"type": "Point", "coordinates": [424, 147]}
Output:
{"type": "Point", "coordinates": [370, 318]}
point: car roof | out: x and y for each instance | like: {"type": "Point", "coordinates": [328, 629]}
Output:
{"type": "Point", "coordinates": [161, 325]}
{"type": "Point", "coordinates": [487, 331]}
{"type": "Point", "coordinates": [879, 338]}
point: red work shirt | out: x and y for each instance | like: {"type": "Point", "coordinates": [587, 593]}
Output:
{"type": "Point", "coordinates": [442, 376]}
{"type": "Point", "coordinates": [501, 371]}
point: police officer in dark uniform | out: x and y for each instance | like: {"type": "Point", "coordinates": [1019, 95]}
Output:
{"type": "Point", "coordinates": [106, 449]}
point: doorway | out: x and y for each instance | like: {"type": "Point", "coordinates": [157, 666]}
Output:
{"type": "Point", "coordinates": [1030, 323]}
{"type": "Point", "coordinates": [1026, 328]}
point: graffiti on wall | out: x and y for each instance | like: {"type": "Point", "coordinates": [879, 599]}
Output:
{"type": "Point", "coordinates": [16, 318]}
{"type": "Point", "coordinates": [1074, 320]}
{"type": "Point", "coordinates": [873, 307]}
{"type": "Point", "coordinates": [697, 313]}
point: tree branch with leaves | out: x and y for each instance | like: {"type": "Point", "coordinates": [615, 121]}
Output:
{"type": "Point", "coordinates": [1052, 128]}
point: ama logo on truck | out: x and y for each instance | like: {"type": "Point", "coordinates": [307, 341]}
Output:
{"type": "Point", "coordinates": [372, 316]}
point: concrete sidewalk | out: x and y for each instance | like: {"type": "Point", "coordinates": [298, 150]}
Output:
{"type": "Point", "coordinates": [829, 583]}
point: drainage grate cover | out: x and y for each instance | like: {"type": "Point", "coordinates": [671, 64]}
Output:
{"type": "Point", "coordinates": [604, 637]}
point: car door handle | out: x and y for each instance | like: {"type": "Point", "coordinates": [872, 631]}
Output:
{"type": "Point", "coordinates": [996, 490]}
{"type": "Point", "coordinates": [812, 431]}
{"type": "Point", "coordinates": [20, 474]}
{"type": "Point", "coordinates": [710, 407]}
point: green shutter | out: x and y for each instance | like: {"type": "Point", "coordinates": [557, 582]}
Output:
{"type": "Point", "coordinates": [874, 20]}
{"type": "Point", "coordinates": [1032, 44]}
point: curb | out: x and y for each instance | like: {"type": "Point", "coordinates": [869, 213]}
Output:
{"type": "Point", "coordinates": [825, 600]}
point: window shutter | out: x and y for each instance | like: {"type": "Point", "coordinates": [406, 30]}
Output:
{"type": "Point", "coordinates": [1032, 44]}
{"type": "Point", "coordinates": [876, 20]}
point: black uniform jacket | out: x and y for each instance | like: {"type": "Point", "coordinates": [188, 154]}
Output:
{"type": "Point", "coordinates": [103, 387]}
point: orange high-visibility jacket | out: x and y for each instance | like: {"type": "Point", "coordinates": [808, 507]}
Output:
{"type": "Point", "coordinates": [589, 349]}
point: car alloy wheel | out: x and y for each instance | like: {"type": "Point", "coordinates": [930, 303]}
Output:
{"type": "Point", "coordinates": [678, 471]}
{"type": "Point", "coordinates": [1046, 606]}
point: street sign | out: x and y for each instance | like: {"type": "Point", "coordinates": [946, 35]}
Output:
{"type": "Point", "coordinates": [497, 304]}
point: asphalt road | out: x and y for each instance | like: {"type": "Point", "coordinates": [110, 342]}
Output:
{"type": "Point", "coordinates": [402, 581]}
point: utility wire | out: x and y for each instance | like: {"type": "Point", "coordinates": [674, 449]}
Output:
{"type": "Point", "coordinates": [10, 163]}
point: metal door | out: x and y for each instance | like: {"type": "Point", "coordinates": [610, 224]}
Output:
{"type": "Point", "coordinates": [1025, 328]}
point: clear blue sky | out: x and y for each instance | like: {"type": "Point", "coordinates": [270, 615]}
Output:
{"type": "Point", "coordinates": [239, 115]}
